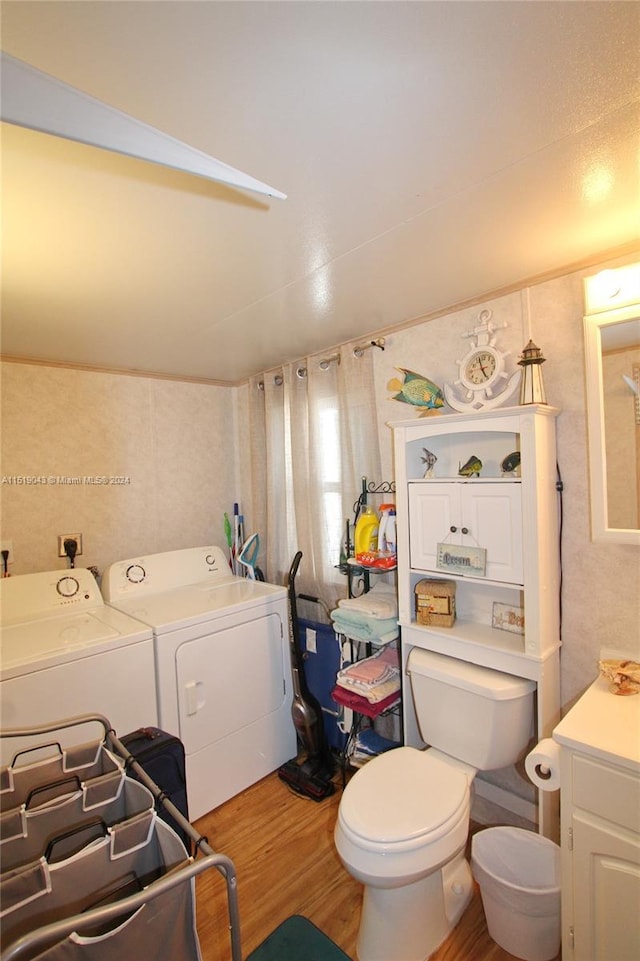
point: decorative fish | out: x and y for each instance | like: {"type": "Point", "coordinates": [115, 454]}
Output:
{"type": "Point", "coordinates": [472, 468]}
{"type": "Point", "coordinates": [416, 390]}
{"type": "Point", "coordinates": [511, 462]}
{"type": "Point", "coordinates": [429, 460]}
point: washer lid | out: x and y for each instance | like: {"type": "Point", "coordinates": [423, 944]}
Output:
{"type": "Point", "coordinates": [48, 641]}
{"type": "Point", "coordinates": [403, 795]}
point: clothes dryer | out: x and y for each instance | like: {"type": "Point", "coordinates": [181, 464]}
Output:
{"type": "Point", "coordinates": [64, 652]}
{"type": "Point", "coordinates": [222, 665]}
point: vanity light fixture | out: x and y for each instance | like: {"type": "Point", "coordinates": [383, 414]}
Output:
{"type": "Point", "coordinates": [612, 288]}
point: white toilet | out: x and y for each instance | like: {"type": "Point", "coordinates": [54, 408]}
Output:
{"type": "Point", "coordinates": [404, 817]}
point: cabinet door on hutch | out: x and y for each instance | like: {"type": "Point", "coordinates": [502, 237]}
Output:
{"type": "Point", "coordinates": [472, 514]}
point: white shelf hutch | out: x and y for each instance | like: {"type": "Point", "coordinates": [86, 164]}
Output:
{"type": "Point", "coordinates": [514, 517]}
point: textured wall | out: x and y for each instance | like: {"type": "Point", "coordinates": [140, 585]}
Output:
{"type": "Point", "coordinates": [172, 443]}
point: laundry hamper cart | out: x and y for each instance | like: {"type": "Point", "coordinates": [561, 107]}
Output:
{"type": "Point", "coordinates": [89, 870]}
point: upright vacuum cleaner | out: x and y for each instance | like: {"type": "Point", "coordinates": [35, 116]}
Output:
{"type": "Point", "coordinates": [311, 771]}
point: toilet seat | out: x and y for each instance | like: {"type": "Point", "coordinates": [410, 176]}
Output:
{"type": "Point", "coordinates": [404, 799]}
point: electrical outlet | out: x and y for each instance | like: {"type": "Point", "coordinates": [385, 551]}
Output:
{"type": "Point", "coordinates": [7, 546]}
{"type": "Point", "coordinates": [310, 637]}
{"type": "Point", "coordinates": [69, 537]}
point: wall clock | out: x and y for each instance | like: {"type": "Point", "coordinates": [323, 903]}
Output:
{"type": "Point", "coordinates": [481, 371]}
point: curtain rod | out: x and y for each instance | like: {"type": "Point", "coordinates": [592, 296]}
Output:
{"type": "Point", "coordinates": [360, 349]}
{"type": "Point", "coordinates": [326, 362]}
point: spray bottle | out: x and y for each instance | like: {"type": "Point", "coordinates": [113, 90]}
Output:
{"type": "Point", "coordinates": [390, 533]}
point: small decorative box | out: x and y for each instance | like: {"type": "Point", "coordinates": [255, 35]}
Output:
{"type": "Point", "coordinates": [436, 602]}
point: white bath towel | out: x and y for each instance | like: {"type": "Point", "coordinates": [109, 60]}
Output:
{"type": "Point", "coordinates": [380, 602]}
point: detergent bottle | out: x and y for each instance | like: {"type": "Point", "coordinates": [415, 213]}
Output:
{"type": "Point", "coordinates": [366, 532]}
{"type": "Point", "coordinates": [390, 535]}
{"type": "Point", "coordinates": [387, 531]}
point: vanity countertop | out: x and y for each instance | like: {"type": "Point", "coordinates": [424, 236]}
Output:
{"type": "Point", "coordinates": [603, 725]}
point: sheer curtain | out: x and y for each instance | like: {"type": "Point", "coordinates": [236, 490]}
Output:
{"type": "Point", "coordinates": [314, 435]}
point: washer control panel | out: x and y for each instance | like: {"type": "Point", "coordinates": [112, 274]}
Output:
{"type": "Point", "coordinates": [26, 597]}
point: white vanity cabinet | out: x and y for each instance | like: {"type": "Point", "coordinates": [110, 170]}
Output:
{"type": "Point", "coordinates": [600, 815]}
{"type": "Point", "coordinates": [513, 518]}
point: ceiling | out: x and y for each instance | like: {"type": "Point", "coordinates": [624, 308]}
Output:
{"type": "Point", "coordinates": [431, 153]}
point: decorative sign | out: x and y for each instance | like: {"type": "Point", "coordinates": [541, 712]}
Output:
{"type": "Point", "coordinates": [455, 559]}
{"type": "Point", "coordinates": [507, 618]}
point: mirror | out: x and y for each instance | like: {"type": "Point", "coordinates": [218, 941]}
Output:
{"type": "Point", "coordinates": [612, 346]}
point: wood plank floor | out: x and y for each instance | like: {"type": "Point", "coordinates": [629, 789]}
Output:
{"type": "Point", "coordinates": [286, 863]}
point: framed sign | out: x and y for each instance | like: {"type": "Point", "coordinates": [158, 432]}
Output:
{"type": "Point", "coordinates": [506, 618]}
{"type": "Point", "coordinates": [461, 560]}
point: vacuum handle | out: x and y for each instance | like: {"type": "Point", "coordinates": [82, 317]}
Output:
{"type": "Point", "coordinates": [310, 597]}
{"type": "Point", "coordinates": [293, 570]}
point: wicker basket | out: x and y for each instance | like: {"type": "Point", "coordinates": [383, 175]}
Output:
{"type": "Point", "coordinates": [436, 602]}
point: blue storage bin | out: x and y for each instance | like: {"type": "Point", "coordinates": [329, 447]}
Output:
{"type": "Point", "coordinates": [322, 662]}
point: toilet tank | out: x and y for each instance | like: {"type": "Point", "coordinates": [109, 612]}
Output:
{"type": "Point", "coordinates": [477, 715]}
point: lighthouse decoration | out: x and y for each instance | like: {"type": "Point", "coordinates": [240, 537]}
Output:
{"type": "Point", "coordinates": [532, 386]}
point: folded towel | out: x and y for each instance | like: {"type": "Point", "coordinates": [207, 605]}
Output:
{"type": "Point", "coordinates": [353, 634]}
{"type": "Point", "coordinates": [370, 674]}
{"type": "Point", "coordinates": [372, 694]}
{"type": "Point", "coordinates": [364, 684]}
{"type": "Point", "coordinates": [380, 602]}
{"type": "Point", "coordinates": [360, 704]}
{"type": "Point", "coordinates": [346, 616]}
{"type": "Point", "coordinates": [360, 626]}
{"type": "Point", "coordinates": [375, 677]}
{"type": "Point", "coordinates": [375, 669]}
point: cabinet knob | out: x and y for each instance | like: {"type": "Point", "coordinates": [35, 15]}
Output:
{"type": "Point", "coordinates": [453, 529]}
{"type": "Point", "coordinates": [465, 530]}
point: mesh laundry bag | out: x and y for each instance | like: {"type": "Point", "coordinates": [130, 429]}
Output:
{"type": "Point", "coordinates": [60, 826]}
{"type": "Point", "coordinates": [60, 772]}
{"type": "Point", "coordinates": [136, 851]}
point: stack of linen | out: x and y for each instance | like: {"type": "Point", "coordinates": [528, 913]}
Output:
{"type": "Point", "coordinates": [372, 685]}
{"type": "Point", "coordinates": [372, 617]}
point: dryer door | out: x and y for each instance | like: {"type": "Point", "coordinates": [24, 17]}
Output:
{"type": "Point", "coordinates": [230, 679]}
{"type": "Point", "coordinates": [234, 706]}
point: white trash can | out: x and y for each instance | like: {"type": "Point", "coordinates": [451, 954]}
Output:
{"type": "Point", "coordinates": [519, 877]}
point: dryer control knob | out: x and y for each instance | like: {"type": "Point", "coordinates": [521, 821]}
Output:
{"type": "Point", "coordinates": [136, 573]}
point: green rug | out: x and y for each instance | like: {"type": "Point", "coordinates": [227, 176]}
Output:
{"type": "Point", "coordinates": [297, 939]}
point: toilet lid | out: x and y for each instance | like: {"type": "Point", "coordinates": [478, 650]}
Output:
{"type": "Point", "coordinates": [403, 795]}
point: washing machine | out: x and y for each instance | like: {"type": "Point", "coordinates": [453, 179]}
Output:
{"type": "Point", "coordinates": [64, 652]}
{"type": "Point", "coordinates": [223, 668]}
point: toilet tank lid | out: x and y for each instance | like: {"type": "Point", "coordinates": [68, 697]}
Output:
{"type": "Point", "coordinates": [491, 684]}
